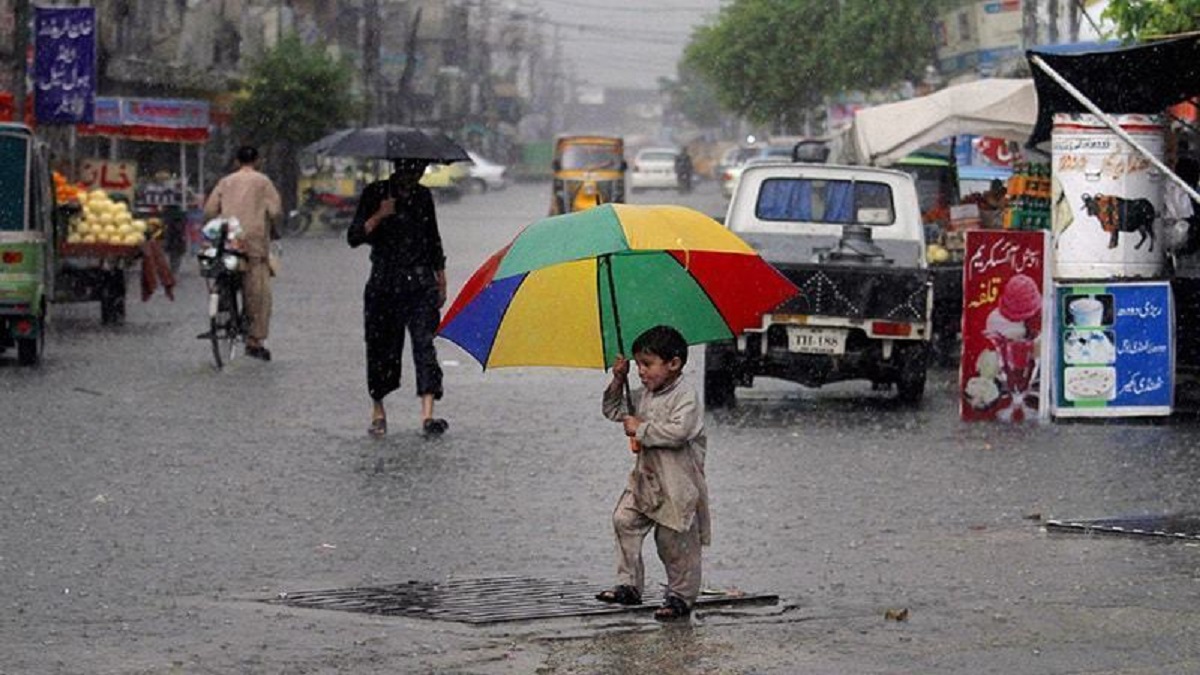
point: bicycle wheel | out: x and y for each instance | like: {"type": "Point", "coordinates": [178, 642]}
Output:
{"type": "Point", "coordinates": [214, 335]}
{"type": "Point", "coordinates": [230, 312]}
{"type": "Point", "coordinates": [224, 321]}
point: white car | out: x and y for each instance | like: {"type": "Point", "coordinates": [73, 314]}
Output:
{"type": "Point", "coordinates": [735, 160]}
{"type": "Point", "coordinates": [485, 175]}
{"type": "Point", "coordinates": [654, 168]}
{"type": "Point", "coordinates": [731, 175]}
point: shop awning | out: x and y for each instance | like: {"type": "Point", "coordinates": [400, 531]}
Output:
{"type": "Point", "coordinates": [1147, 78]}
{"type": "Point", "coordinates": [150, 119]}
{"type": "Point", "coordinates": [1001, 108]}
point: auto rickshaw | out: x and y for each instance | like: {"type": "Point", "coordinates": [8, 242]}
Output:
{"type": "Point", "coordinates": [26, 228]}
{"type": "Point", "coordinates": [588, 171]}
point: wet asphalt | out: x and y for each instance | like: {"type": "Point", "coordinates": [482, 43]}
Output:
{"type": "Point", "coordinates": [151, 502]}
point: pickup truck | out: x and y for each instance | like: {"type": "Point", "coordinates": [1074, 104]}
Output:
{"type": "Point", "coordinates": [851, 239]}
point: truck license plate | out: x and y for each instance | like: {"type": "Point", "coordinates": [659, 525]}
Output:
{"type": "Point", "coordinates": [807, 340]}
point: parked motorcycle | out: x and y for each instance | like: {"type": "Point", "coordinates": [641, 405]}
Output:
{"type": "Point", "coordinates": [334, 211]}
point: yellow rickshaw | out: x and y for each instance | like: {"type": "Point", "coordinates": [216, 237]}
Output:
{"type": "Point", "coordinates": [588, 170]}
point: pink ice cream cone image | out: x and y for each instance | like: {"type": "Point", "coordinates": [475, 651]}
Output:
{"type": "Point", "coordinates": [1022, 301]}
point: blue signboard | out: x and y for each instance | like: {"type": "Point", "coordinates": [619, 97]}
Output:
{"type": "Point", "coordinates": [1114, 349]}
{"type": "Point", "coordinates": [64, 64]}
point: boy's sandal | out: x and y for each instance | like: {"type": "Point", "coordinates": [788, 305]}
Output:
{"type": "Point", "coordinates": [378, 427]}
{"type": "Point", "coordinates": [673, 609]}
{"type": "Point", "coordinates": [621, 595]}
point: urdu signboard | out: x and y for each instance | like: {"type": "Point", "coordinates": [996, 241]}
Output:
{"type": "Point", "coordinates": [64, 64]}
{"type": "Point", "coordinates": [1114, 349]}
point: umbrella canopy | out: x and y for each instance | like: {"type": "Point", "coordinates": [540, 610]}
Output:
{"type": "Point", "coordinates": [574, 290]}
{"type": "Point", "coordinates": [391, 141]}
{"type": "Point", "coordinates": [321, 145]}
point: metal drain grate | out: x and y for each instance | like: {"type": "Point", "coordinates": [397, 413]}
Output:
{"type": "Point", "coordinates": [1182, 526]}
{"type": "Point", "coordinates": [487, 600]}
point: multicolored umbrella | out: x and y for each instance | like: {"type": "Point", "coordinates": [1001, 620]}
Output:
{"type": "Point", "coordinates": [575, 290]}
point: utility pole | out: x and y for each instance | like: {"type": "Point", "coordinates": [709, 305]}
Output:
{"type": "Point", "coordinates": [1029, 23]}
{"type": "Point", "coordinates": [405, 82]}
{"type": "Point", "coordinates": [484, 106]}
{"type": "Point", "coordinates": [370, 61]}
{"type": "Point", "coordinates": [20, 52]}
{"type": "Point", "coordinates": [1073, 20]}
{"type": "Point", "coordinates": [1052, 23]}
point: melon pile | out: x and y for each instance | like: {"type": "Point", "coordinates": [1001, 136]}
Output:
{"type": "Point", "coordinates": [104, 221]}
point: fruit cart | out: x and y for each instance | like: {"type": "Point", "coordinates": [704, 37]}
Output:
{"type": "Point", "coordinates": [97, 243]}
{"type": "Point", "coordinates": [95, 273]}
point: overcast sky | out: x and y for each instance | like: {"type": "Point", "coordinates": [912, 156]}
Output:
{"type": "Point", "coordinates": [624, 43]}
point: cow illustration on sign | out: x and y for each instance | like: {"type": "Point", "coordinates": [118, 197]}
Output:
{"type": "Point", "coordinates": [1118, 214]}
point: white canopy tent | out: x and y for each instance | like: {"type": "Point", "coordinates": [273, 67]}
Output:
{"type": "Point", "coordinates": [996, 107]}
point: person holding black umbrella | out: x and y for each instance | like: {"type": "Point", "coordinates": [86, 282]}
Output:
{"type": "Point", "coordinates": [406, 288]}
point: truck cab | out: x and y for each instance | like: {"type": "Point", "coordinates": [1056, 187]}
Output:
{"type": "Point", "coordinates": [851, 238]}
{"type": "Point", "coordinates": [26, 230]}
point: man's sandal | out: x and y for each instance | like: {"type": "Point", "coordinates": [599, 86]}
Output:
{"type": "Point", "coordinates": [620, 595]}
{"type": "Point", "coordinates": [378, 428]}
{"type": "Point", "coordinates": [673, 609]}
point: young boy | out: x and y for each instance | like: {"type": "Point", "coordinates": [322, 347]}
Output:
{"type": "Point", "coordinates": [666, 490]}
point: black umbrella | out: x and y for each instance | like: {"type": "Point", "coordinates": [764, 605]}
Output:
{"type": "Point", "coordinates": [321, 146]}
{"type": "Point", "coordinates": [396, 142]}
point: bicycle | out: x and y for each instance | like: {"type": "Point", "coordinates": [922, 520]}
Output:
{"type": "Point", "coordinates": [220, 265]}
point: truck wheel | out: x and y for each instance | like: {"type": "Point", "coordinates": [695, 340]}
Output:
{"type": "Point", "coordinates": [718, 389]}
{"type": "Point", "coordinates": [913, 362]}
{"type": "Point", "coordinates": [112, 299]}
{"type": "Point", "coordinates": [946, 348]}
{"type": "Point", "coordinates": [29, 350]}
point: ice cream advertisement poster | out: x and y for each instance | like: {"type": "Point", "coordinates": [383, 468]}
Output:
{"type": "Point", "coordinates": [1113, 349]}
{"type": "Point", "coordinates": [1005, 284]}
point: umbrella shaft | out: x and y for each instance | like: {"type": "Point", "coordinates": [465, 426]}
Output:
{"type": "Point", "coordinates": [606, 261]}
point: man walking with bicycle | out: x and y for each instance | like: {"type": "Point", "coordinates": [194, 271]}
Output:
{"type": "Point", "coordinates": [251, 197]}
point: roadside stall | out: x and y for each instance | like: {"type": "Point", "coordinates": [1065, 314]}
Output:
{"type": "Point", "coordinates": [98, 237]}
{"type": "Point", "coordinates": [1002, 110]}
{"type": "Point", "coordinates": [1119, 292]}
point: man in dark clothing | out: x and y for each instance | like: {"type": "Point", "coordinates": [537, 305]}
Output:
{"type": "Point", "coordinates": [683, 170]}
{"type": "Point", "coordinates": [406, 289]}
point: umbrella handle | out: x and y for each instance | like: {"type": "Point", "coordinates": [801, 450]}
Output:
{"type": "Point", "coordinates": [635, 446]}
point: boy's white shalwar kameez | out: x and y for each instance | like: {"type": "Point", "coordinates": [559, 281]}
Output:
{"type": "Point", "coordinates": [666, 488]}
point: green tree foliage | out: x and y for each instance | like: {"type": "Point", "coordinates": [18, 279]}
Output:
{"type": "Point", "coordinates": [878, 43]}
{"type": "Point", "coordinates": [771, 60]}
{"type": "Point", "coordinates": [766, 59]}
{"type": "Point", "coordinates": [294, 94]}
{"type": "Point", "coordinates": [1135, 19]}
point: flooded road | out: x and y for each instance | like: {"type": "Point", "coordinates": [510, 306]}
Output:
{"type": "Point", "coordinates": [149, 501]}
